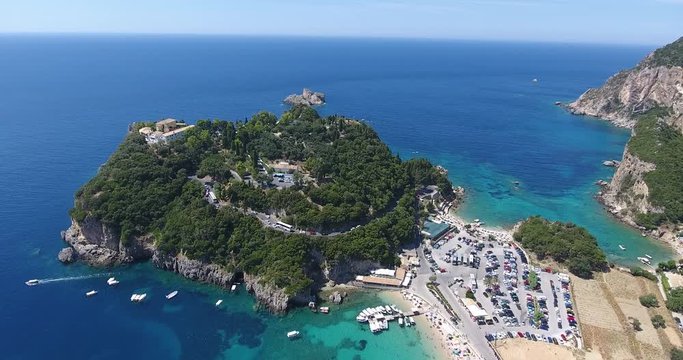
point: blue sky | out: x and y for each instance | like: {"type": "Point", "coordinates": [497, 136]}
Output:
{"type": "Point", "coordinates": [597, 21]}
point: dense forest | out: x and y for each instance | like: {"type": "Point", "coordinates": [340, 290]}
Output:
{"type": "Point", "coordinates": [563, 242]}
{"type": "Point", "coordinates": [658, 143]}
{"type": "Point", "coordinates": [348, 177]}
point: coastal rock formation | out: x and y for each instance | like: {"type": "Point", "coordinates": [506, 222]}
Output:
{"type": "Point", "coordinates": [337, 297]}
{"type": "Point", "coordinates": [194, 269]}
{"type": "Point", "coordinates": [272, 297]}
{"type": "Point", "coordinates": [627, 193]}
{"type": "Point", "coordinates": [307, 98]}
{"type": "Point", "coordinates": [98, 245]}
{"type": "Point", "coordinates": [655, 83]}
{"type": "Point", "coordinates": [67, 255]}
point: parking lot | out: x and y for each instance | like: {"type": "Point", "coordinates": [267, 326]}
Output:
{"type": "Point", "coordinates": [518, 300]}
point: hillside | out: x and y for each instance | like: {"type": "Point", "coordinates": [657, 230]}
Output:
{"type": "Point", "coordinates": [147, 201]}
{"type": "Point", "coordinates": [645, 191]}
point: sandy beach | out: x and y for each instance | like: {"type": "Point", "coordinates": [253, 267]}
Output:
{"type": "Point", "coordinates": [434, 325]}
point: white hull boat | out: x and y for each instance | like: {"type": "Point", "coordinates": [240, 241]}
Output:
{"type": "Point", "coordinates": [172, 295]}
{"type": "Point", "coordinates": [91, 293]}
{"type": "Point", "coordinates": [218, 303]}
{"type": "Point", "coordinates": [293, 334]}
{"type": "Point", "coordinates": [622, 247]}
{"type": "Point", "coordinates": [112, 281]}
{"type": "Point", "coordinates": [32, 282]}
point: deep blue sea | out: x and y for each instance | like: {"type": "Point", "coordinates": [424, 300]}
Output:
{"type": "Point", "coordinates": [65, 102]}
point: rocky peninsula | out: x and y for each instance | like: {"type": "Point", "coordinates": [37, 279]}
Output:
{"type": "Point", "coordinates": [647, 99]}
{"type": "Point", "coordinates": [179, 204]}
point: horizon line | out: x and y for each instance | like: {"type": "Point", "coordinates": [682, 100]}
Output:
{"type": "Point", "coordinates": [331, 37]}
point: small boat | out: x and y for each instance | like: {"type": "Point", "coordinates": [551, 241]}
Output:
{"type": "Point", "coordinates": [324, 309]}
{"type": "Point", "coordinates": [218, 303]}
{"type": "Point", "coordinates": [293, 334]}
{"type": "Point", "coordinates": [233, 287]}
{"type": "Point", "coordinates": [172, 295]}
{"type": "Point", "coordinates": [361, 319]}
{"type": "Point", "coordinates": [112, 281]}
{"type": "Point", "coordinates": [91, 293]}
{"type": "Point", "coordinates": [400, 321]}
{"type": "Point", "coordinates": [412, 321]}
{"type": "Point", "coordinates": [644, 260]}
{"type": "Point", "coordinates": [138, 297]}
{"type": "Point", "coordinates": [622, 247]}
{"type": "Point", "coordinates": [534, 80]}
{"type": "Point", "coordinates": [648, 256]}
{"type": "Point", "coordinates": [32, 282]}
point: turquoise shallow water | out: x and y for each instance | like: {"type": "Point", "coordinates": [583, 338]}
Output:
{"type": "Point", "coordinates": [65, 103]}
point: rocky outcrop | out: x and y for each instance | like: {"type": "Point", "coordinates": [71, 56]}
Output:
{"type": "Point", "coordinates": [343, 271]}
{"type": "Point", "coordinates": [99, 245]}
{"type": "Point", "coordinates": [633, 92]}
{"type": "Point", "coordinates": [274, 298]}
{"type": "Point", "coordinates": [337, 297]}
{"type": "Point", "coordinates": [194, 269]}
{"type": "Point", "coordinates": [657, 81]}
{"type": "Point", "coordinates": [307, 98]}
{"type": "Point", "coordinates": [626, 195]}
{"type": "Point", "coordinates": [67, 255]}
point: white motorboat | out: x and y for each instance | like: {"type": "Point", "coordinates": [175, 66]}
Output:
{"type": "Point", "coordinates": [361, 319]}
{"type": "Point", "coordinates": [233, 287]}
{"type": "Point", "coordinates": [644, 260]}
{"type": "Point", "coordinates": [324, 310]}
{"type": "Point", "coordinates": [622, 247]}
{"type": "Point", "coordinates": [412, 321]}
{"type": "Point", "coordinates": [648, 256]}
{"type": "Point", "coordinates": [112, 281]}
{"type": "Point", "coordinates": [138, 297]}
{"type": "Point", "coordinates": [293, 334]}
{"type": "Point", "coordinates": [32, 282]}
{"type": "Point", "coordinates": [218, 303]}
{"type": "Point", "coordinates": [400, 321]}
{"type": "Point", "coordinates": [172, 295]}
{"type": "Point", "coordinates": [91, 293]}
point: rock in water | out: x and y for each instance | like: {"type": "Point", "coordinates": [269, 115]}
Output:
{"type": "Point", "coordinates": [67, 255]}
{"type": "Point", "coordinates": [307, 98]}
{"type": "Point", "coordinates": [336, 298]}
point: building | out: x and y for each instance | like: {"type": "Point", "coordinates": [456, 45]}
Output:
{"type": "Point", "coordinates": [167, 130]}
{"type": "Point", "coordinates": [385, 277]}
{"type": "Point", "coordinates": [433, 230]}
{"type": "Point", "coordinates": [166, 125]}
{"type": "Point", "coordinates": [284, 167]}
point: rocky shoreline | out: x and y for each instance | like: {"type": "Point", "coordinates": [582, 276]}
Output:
{"type": "Point", "coordinates": [97, 245]}
{"type": "Point", "coordinates": [621, 100]}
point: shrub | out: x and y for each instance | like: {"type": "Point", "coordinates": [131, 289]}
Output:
{"type": "Point", "coordinates": [637, 271]}
{"type": "Point", "coordinates": [636, 324]}
{"type": "Point", "coordinates": [658, 322]}
{"type": "Point", "coordinates": [676, 354]}
{"type": "Point", "coordinates": [649, 301]}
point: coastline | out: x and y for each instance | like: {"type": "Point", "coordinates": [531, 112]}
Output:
{"type": "Point", "coordinates": [433, 340]}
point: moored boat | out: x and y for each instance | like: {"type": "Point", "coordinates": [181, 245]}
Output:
{"type": "Point", "coordinates": [218, 303]}
{"type": "Point", "coordinates": [293, 334]}
{"type": "Point", "coordinates": [91, 293]}
{"type": "Point", "coordinates": [622, 247]}
{"type": "Point", "coordinates": [32, 282]}
{"type": "Point", "coordinates": [112, 281]}
{"type": "Point", "coordinates": [400, 321]}
{"type": "Point", "coordinates": [172, 295]}
{"type": "Point", "coordinates": [233, 287]}
{"type": "Point", "coordinates": [324, 309]}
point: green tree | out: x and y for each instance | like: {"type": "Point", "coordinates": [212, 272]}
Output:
{"type": "Point", "coordinates": [658, 321]}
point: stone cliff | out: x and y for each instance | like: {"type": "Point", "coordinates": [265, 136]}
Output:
{"type": "Point", "coordinates": [656, 82]}
{"type": "Point", "coordinates": [98, 245]}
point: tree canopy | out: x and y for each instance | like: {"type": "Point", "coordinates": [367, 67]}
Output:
{"type": "Point", "coordinates": [563, 242]}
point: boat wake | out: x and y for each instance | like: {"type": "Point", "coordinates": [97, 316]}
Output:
{"type": "Point", "coordinates": [71, 278]}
